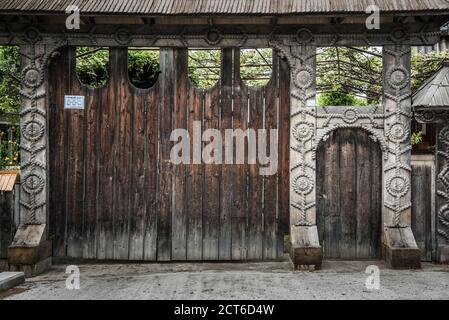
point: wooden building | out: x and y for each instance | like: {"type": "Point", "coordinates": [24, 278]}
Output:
{"type": "Point", "coordinates": [97, 182]}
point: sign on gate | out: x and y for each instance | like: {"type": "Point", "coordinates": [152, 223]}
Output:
{"type": "Point", "coordinates": [74, 102]}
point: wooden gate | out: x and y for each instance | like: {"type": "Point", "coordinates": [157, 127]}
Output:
{"type": "Point", "coordinates": [349, 193]}
{"type": "Point", "coordinates": [116, 195]}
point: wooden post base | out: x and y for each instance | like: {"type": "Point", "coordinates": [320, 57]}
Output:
{"type": "Point", "coordinates": [29, 252]}
{"type": "Point", "coordinates": [400, 249]}
{"type": "Point", "coordinates": [305, 248]}
{"type": "Point", "coordinates": [443, 254]}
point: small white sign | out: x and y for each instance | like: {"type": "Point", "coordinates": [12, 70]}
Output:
{"type": "Point", "coordinates": [74, 102]}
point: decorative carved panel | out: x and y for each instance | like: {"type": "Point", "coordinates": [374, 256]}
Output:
{"type": "Point", "coordinates": [443, 186]}
{"type": "Point", "coordinates": [35, 59]}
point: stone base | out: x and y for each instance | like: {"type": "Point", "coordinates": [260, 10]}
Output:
{"type": "Point", "coordinates": [32, 270]}
{"type": "Point", "coordinates": [400, 250]}
{"type": "Point", "coordinates": [9, 280]}
{"type": "Point", "coordinates": [442, 254]}
{"type": "Point", "coordinates": [29, 252]}
{"type": "Point", "coordinates": [304, 247]}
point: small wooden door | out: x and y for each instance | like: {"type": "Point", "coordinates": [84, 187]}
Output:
{"type": "Point", "coordinates": [349, 193]}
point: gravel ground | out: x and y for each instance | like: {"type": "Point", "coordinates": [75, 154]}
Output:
{"type": "Point", "coordinates": [270, 281]}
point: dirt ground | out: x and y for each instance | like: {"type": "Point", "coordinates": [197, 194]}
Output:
{"type": "Point", "coordinates": [269, 281]}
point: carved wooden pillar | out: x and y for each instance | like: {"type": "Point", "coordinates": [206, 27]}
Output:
{"type": "Point", "coordinates": [304, 244]}
{"type": "Point", "coordinates": [442, 220]}
{"type": "Point", "coordinates": [30, 250]}
{"type": "Point", "coordinates": [400, 247]}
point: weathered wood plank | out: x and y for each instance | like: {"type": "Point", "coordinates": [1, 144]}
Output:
{"type": "Point", "coordinates": [213, 237]}
{"type": "Point", "coordinates": [270, 206]}
{"type": "Point", "coordinates": [75, 173]}
{"type": "Point", "coordinates": [256, 180]}
{"type": "Point", "coordinates": [91, 177]}
{"type": "Point", "coordinates": [179, 214]}
{"type": "Point", "coordinates": [227, 177]}
{"type": "Point", "coordinates": [284, 153]}
{"type": "Point", "coordinates": [151, 167]}
{"type": "Point", "coordinates": [194, 181]}
{"type": "Point", "coordinates": [123, 153]}
{"type": "Point", "coordinates": [106, 173]}
{"type": "Point", "coordinates": [58, 84]}
{"type": "Point", "coordinates": [422, 204]}
{"type": "Point", "coordinates": [239, 170]}
{"type": "Point", "coordinates": [6, 223]}
{"type": "Point", "coordinates": [165, 201]}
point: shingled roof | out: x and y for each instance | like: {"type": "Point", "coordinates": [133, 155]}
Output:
{"type": "Point", "coordinates": [434, 93]}
{"type": "Point", "coordinates": [211, 7]}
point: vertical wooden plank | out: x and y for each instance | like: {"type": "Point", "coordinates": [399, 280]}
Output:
{"type": "Point", "coordinates": [6, 236]}
{"type": "Point", "coordinates": [194, 182]}
{"type": "Point", "coordinates": [179, 214]}
{"type": "Point", "coordinates": [105, 168]}
{"type": "Point", "coordinates": [348, 225]}
{"type": "Point", "coordinates": [238, 172]}
{"type": "Point", "coordinates": [284, 153]}
{"type": "Point", "coordinates": [363, 185]}
{"type": "Point", "coordinates": [421, 206]}
{"type": "Point", "coordinates": [138, 210]}
{"type": "Point", "coordinates": [270, 181]}
{"type": "Point", "coordinates": [151, 158]}
{"type": "Point", "coordinates": [331, 215]}
{"type": "Point", "coordinates": [91, 177]}
{"type": "Point", "coordinates": [165, 192]}
{"type": "Point", "coordinates": [59, 84]}
{"type": "Point", "coordinates": [255, 195]}
{"type": "Point", "coordinates": [213, 234]}
{"type": "Point", "coordinates": [375, 218]}
{"type": "Point", "coordinates": [122, 149]}
{"type": "Point", "coordinates": [75, 174]}
{"type": "Point", "coordinates": [227, 178]}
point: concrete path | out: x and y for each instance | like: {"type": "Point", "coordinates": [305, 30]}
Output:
{"type": "Point", "coordinates": [271, 281]}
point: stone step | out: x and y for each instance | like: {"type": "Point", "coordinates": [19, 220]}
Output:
{"type": "Point", "coordinates": [9, 280]}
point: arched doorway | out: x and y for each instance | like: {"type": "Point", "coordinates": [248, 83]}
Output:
{"type": "Point", "coordinates": [349, 194]}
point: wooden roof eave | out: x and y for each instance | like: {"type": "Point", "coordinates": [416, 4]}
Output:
{"type": "Point", "coordinates": [339, 14]}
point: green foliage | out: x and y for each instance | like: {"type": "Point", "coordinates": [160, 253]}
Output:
{"type": "Point", "coordinates": [9, 84]}
{"type": "Point", "coordinates": [204, 67]}
{"type": "Point", "coordinates": [425, 65]}
{"type": "Point", "coordinates": [349, 76]}
{"type": "Point", "coordinates": [255, 67]}
{"type": "Point", "coordinates": [339, 98]}
{"type": "Point", "coordinates": [416, 138]}
{"type": "Point", "coordinates": [92, 66]}
{"type": "Point", "coordinates": [143, 67]}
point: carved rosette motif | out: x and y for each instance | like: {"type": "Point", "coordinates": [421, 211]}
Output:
{"type": "Point", "coordinates": [300, 53]}
{"type": "Point", "coordinates": [443, 186]}
{"type": "Point", "coordinates": [397, 100]}
{"type": "Point", "coordinates": [33, 126]}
